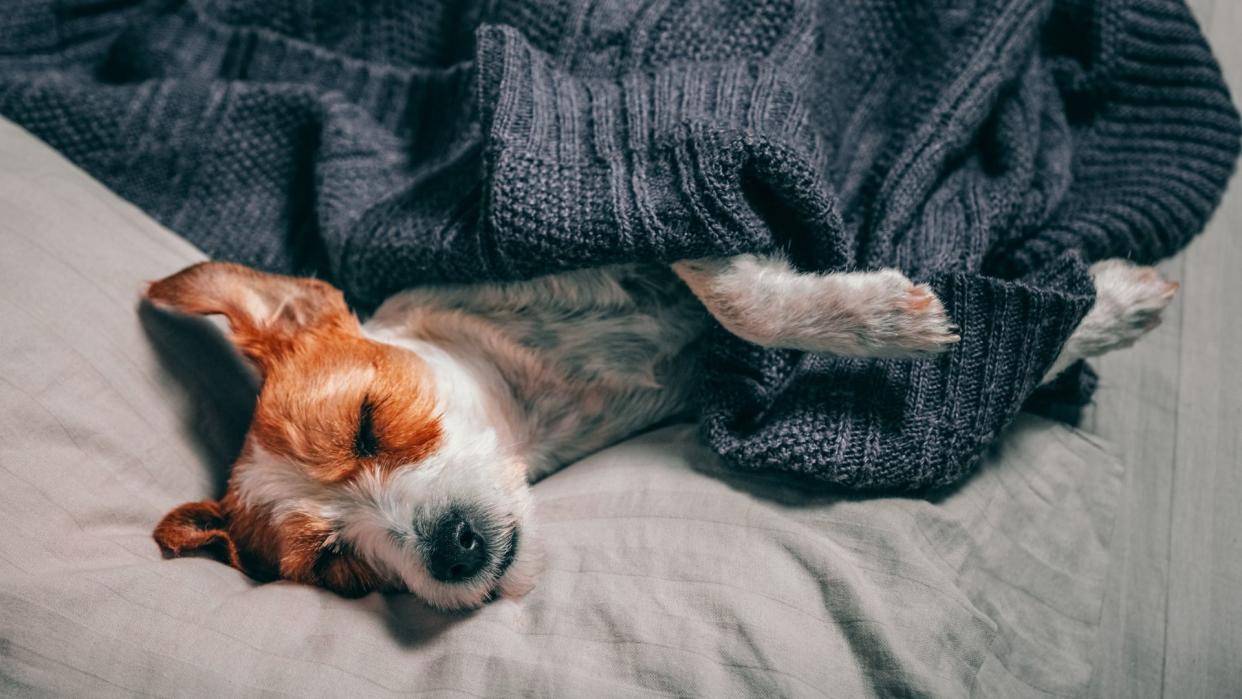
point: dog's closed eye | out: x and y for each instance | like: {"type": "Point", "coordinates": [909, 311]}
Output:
{"type": "Point", "coordinates": [366, 442]}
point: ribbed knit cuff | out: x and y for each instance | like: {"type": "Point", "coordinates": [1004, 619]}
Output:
{"type": "Point", "coordinates": [645, 166]}
{"type": "Point", "coordinates": [871, 425]}
{"type": "Point", "coordinates": [1156, 136]}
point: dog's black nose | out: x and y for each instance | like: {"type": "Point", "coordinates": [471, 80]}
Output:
{"type": "Point", "coordinates": [455, 551]}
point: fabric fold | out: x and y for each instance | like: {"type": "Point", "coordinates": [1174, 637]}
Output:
{"type": "Point", "coordinates": [915, 425]}
{"type": "Point", "coordinates": [993, 149]}
{"type": "Point", "coordinates": [1155, 135]}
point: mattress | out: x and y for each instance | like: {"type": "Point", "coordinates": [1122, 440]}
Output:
{"type": "Point", "coordinates": [663, 573]}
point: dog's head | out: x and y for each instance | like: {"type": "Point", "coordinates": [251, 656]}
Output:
{"type": "Point", "coordinates": [351, 476]}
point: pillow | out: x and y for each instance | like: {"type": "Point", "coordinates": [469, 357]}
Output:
{"type": "Point", "coordinates": [662, 572]}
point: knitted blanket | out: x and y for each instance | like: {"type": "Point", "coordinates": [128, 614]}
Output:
{"type": "Point", "coordinates": [992, 148]}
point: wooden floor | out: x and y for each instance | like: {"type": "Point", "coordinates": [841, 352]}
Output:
{"type": "Point", "coordinates": [1173, 615]}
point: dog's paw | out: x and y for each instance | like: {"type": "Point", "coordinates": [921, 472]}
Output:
{"type": "Point", "coordinates": [1130, 301]}
{"type": "Point", "coordinates": [897, 318]}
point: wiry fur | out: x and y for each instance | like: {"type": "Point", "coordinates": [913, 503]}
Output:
{"type": "Point", "coordinates": [1129, 301]}
{"type": "Point", "coordinates": [476, 390]}
{"type": "Point", "coordinates": [858, 314]}
{"type": "Point", "coordinates": [571, 363]}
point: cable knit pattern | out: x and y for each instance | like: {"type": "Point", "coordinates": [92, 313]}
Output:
{"type": "Point", "coordinates": [992, 148]}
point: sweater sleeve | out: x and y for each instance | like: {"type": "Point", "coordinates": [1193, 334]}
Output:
{"type": "Point", "coordinates": [656, 162]}
{"type": "Point", "coordinates": [1155, 135]}
{"type": "Point", "coordinates": [650, 164]}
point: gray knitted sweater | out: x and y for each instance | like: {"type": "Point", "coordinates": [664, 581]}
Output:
{"type": "Point", "coordinates": [990, 147]}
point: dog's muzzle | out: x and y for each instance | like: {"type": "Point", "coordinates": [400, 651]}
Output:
{"type": "Point", "coordinates": [459, 547]}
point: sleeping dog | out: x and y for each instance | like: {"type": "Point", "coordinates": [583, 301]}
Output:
{"type": "Point", "coordinates": [396, 454]}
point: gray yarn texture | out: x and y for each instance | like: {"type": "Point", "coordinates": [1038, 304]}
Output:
{"type": "Point", "coordinates": [992, 148]}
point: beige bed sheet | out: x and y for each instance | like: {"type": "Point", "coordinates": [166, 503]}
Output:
{"type": "Point", "coordinates": [663, 574]}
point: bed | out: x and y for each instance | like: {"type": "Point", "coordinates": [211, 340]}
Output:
{"type": "Point", "coordinates": [663, 572]}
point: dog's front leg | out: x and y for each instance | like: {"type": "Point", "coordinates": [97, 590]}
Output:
{"type": "Point", "coordinates": [860, 314]}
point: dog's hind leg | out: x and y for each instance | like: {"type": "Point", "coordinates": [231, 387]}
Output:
{"type": "Point", "coordinates": [1129, 300]}
{"type": "Point", "coordinates": [884, 314]}
{"type": "Point", "coordinates": [861, 314]}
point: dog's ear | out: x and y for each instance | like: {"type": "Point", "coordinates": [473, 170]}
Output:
{"type": "Point", "coordinates": [312, 554]}
{"type": "Point", "coordinates": [264, 311]}
{"type": "Point", "coordinates": [301, 548]}
{"type": "Point", "coordinates": [198, 528]}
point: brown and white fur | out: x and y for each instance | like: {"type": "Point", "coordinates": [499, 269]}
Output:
{"type": "Point", "coordinates": [381, 454]}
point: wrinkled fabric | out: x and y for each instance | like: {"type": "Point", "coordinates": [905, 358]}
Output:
{"type": "Point", "coordinates": [661, 575]}
{"type": "Point", "coordinates": [992, 148]}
